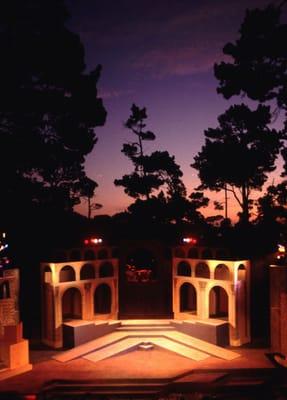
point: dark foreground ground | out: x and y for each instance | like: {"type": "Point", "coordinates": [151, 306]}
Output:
{"type": "Point", "coordinates": [156, 373]}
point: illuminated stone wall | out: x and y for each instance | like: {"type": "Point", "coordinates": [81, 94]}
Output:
{"type": "Point", "coordinates": [212, 290]}
{"type": "Point", "coordinates": [278, 308]}
{"type": "Point", "coordinates": [9, 297]}
{"type": "Point", "coordinates": [86, 289]}
{"type": "Point", "coordinates": [14, 351]}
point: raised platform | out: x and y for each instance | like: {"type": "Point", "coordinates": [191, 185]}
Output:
{"type": "Point", "coordinates": [77, 332]}
{"type": "Point", "coordinates": [212, 330]}
{"type": "Point", "coordinates": [129, 335]}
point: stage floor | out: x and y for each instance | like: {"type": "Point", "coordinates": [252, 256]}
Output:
{"type": "Point", "coordinates": [139, 367]}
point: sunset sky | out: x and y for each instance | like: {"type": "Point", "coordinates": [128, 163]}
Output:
{"type": "Point", "coordinates": [158, 54]}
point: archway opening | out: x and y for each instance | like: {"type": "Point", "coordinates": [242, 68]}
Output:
{"type": "Point", "coordinates": [183, 269]}
{"type": "Point", "coordinates": [222, 272]}
{"type": "Point", "coordinates": [188, 299]}
{"type": "Point", "coordinates": [67, 274]}
{"type": "Point", "coordinates": [72, 304]}
{"type": "Point", "coordinates": [218, 303]}
{"type": "Point", "coordinates": [87, 272]}
{"type": "Point", "coordinates": [106, 270]}
{"type": "Point", "coordinates": [202, 271]}
{"type": "Point", "coordinates": [47, 274]}
{"type": "Point", "coordinates": [102, 299]}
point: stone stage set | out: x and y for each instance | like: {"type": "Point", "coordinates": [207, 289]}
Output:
{"type": "Point", "coordinates": [101, 301]}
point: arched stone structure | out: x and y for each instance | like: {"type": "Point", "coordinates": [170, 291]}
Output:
{"type": "Point", "coordinates": [221, 272]}
{"type": "Point", "coordinates": [48, 275]}
{"type": "Point", "coordinates": [106, 269]}
{"type": "Point", "coordinates": [229, 300]}
{"type": "Point", "coordinates": [87, 272]}
{"type": "Point", "coordinates": [241, 272]}
{"type": "Point", "coordinates": [67, 274]}
{"type": "Point", "coordinates": [71, 304]}
{"type": "Point", "coordinates": [218, 303]}
{"type": "Point", "coordinates": [188, 298]}
{"type": "Point", "coordinates": [184, 269]}
{"type": "Point", "coordinates": [56, 294]}
{"type": "Point", "coordinates": [202, 270]}
{"type": "Point", "coordinates": [102, 299]}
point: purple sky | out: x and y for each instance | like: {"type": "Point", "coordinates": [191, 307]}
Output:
{"type": "Point", "coordinates": [158, 54]}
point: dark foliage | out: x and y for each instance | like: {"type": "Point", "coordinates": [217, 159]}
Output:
{"type": "Point", "coordinates": [42, 75]}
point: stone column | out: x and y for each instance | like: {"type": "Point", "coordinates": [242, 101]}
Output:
{"type": "Point", "coordinates": [202, 301]}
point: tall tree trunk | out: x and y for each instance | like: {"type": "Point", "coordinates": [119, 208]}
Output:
{"type": "Point", "coordinates": [245, 205]}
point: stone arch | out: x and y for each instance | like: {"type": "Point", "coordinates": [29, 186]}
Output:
{"type": "Point", "coordinates": [188, 298]}
{"type": "Point", "coordinates": [202, 270]}
{"type": "Point", "coordinates": [183, 269]}
{"type": "Point", "coordinates": [87, 272]}
{"type": "Point", "coordinates": [67, 274]}
{"type": "Point", "coordinates": [75, 255]}
{"type": "Point", "coordinates": [89, 255]}
{"type": "Point", "coordinates": [206, 254]}
{"type": "Point", "coordinates": [48, 274]}
{"type": "Point", "coordinates": [4, 290]}
{"type": "Point", "coordinates": [106, 270]}
{"type": "Point", "coordinates": [179, 253]}
{"type": "Point", "coordinates": [72, 304]}
{"type": "Point", "coordinates": [103, 254]}
{"type": "Point", "coordinates": [102, 299]}
{"type": "Point", "coordinates": [241, 272]}
{"type": "Point", "coordinates": [221, 272]}
{"type": "Point", "coordinates": [218, 303]}
{"type": "Point", "coordinates": [192, 253]}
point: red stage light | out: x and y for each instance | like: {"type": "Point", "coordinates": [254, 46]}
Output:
{"type": "Point", "coordinates": [189, 240]}
{"type": "Point", "coordinates": [86, 241]}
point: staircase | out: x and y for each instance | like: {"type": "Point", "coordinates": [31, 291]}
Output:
{"type": "Point", "coordinates": [131, 335]}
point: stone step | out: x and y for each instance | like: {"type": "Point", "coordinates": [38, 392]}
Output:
{"type": "Point", "coordinates": [129, 344]}
{"type": "Point", "coordinates": [196, 346]}
{"type": "Point", "coordinates": [145, 328]}
{"type": "Point", "coordinates": [113, 349]}
{"type": "Point", "coordinates": [88, 347]}
{"type": "Point", "coordinates": [202, 345]}
{"type": "Point", "coordinates": [180, 349]}
{"type": "Point", "coordinates": [80, 390]}
{"type": "Point", "coordinates": [145, 322]}
{"type": "Point", "coordinates": [188, 341]}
